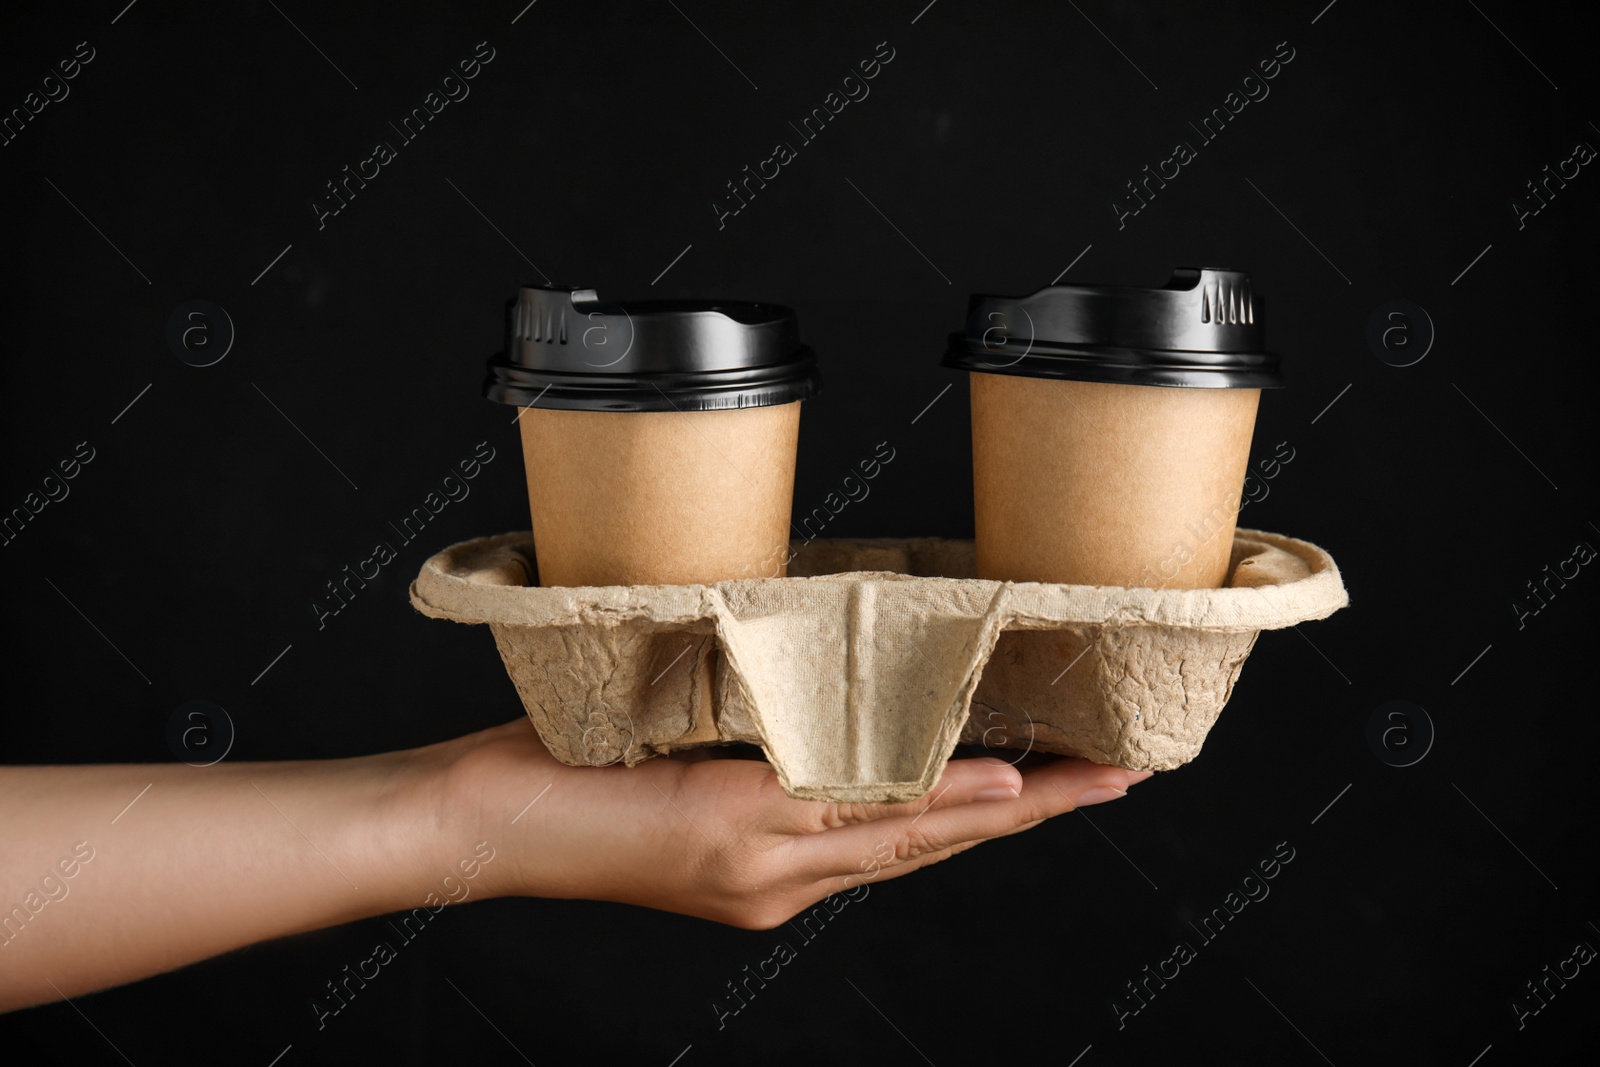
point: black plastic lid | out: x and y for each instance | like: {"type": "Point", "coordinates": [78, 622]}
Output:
{"type": "Point", "coordinates": [1203, 330]}
{"type": "Point", "coordinates": [567, 348]}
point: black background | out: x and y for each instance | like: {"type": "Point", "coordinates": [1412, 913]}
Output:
{"type": "Point", "coordinates": [996, 140]}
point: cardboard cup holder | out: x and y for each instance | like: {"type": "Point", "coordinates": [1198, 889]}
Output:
{"type": "Point", "coordinates": [860, 672]}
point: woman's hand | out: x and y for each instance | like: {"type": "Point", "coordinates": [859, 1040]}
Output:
{"type": "Point", "coordinates": [123, 871]}
{"type": "Point", "coordinates": [717, 838]}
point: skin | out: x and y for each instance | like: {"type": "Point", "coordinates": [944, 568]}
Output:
{"type": "Point", "coordinates": [211, 859]}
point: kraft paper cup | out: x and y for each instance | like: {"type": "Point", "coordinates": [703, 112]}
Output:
{"type": "Point", "coordinates": [1093, 484]}
{"type": "Point", "coordinates": [658, 437]}
{"type": "Point", "coordinates": [1111, 429]}
{"type": "Point", "coordinates": [660, 498]}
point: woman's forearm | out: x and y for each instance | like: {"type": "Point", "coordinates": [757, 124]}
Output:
{"type": "Point", "coordinates": [113, 873]}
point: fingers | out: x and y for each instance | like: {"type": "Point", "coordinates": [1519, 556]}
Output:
{"type": "Point", "coordinates": [964, 781]}
{"type": "Point", "coordinates": [784, 855]}
{"type": "Point", "coordinates": [904, 867]}
{"type": "Point", "coordinates": [867, 850]}
{"type": "Point", "coordinates": [829, 886]}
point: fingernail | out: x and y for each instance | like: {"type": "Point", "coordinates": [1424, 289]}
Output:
{"type": "Point", "coordinates": [1135, 777]}
{"type": "Point", "coordinates": [996, 793]}
{"type": "Point", "coordinates": [1099, 795]}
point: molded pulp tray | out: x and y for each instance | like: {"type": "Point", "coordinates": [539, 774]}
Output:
{"type": "Point", "coordinates": [860, 672]}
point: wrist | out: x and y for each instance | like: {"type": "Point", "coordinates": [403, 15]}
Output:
{"type": "Point", "coordinates": [434, 819]}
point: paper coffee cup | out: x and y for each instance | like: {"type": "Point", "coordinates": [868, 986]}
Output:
{"type": "Point", "coordinates": [658, 436]}
{"type": "Point", "coordinates": [1111, 428]}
